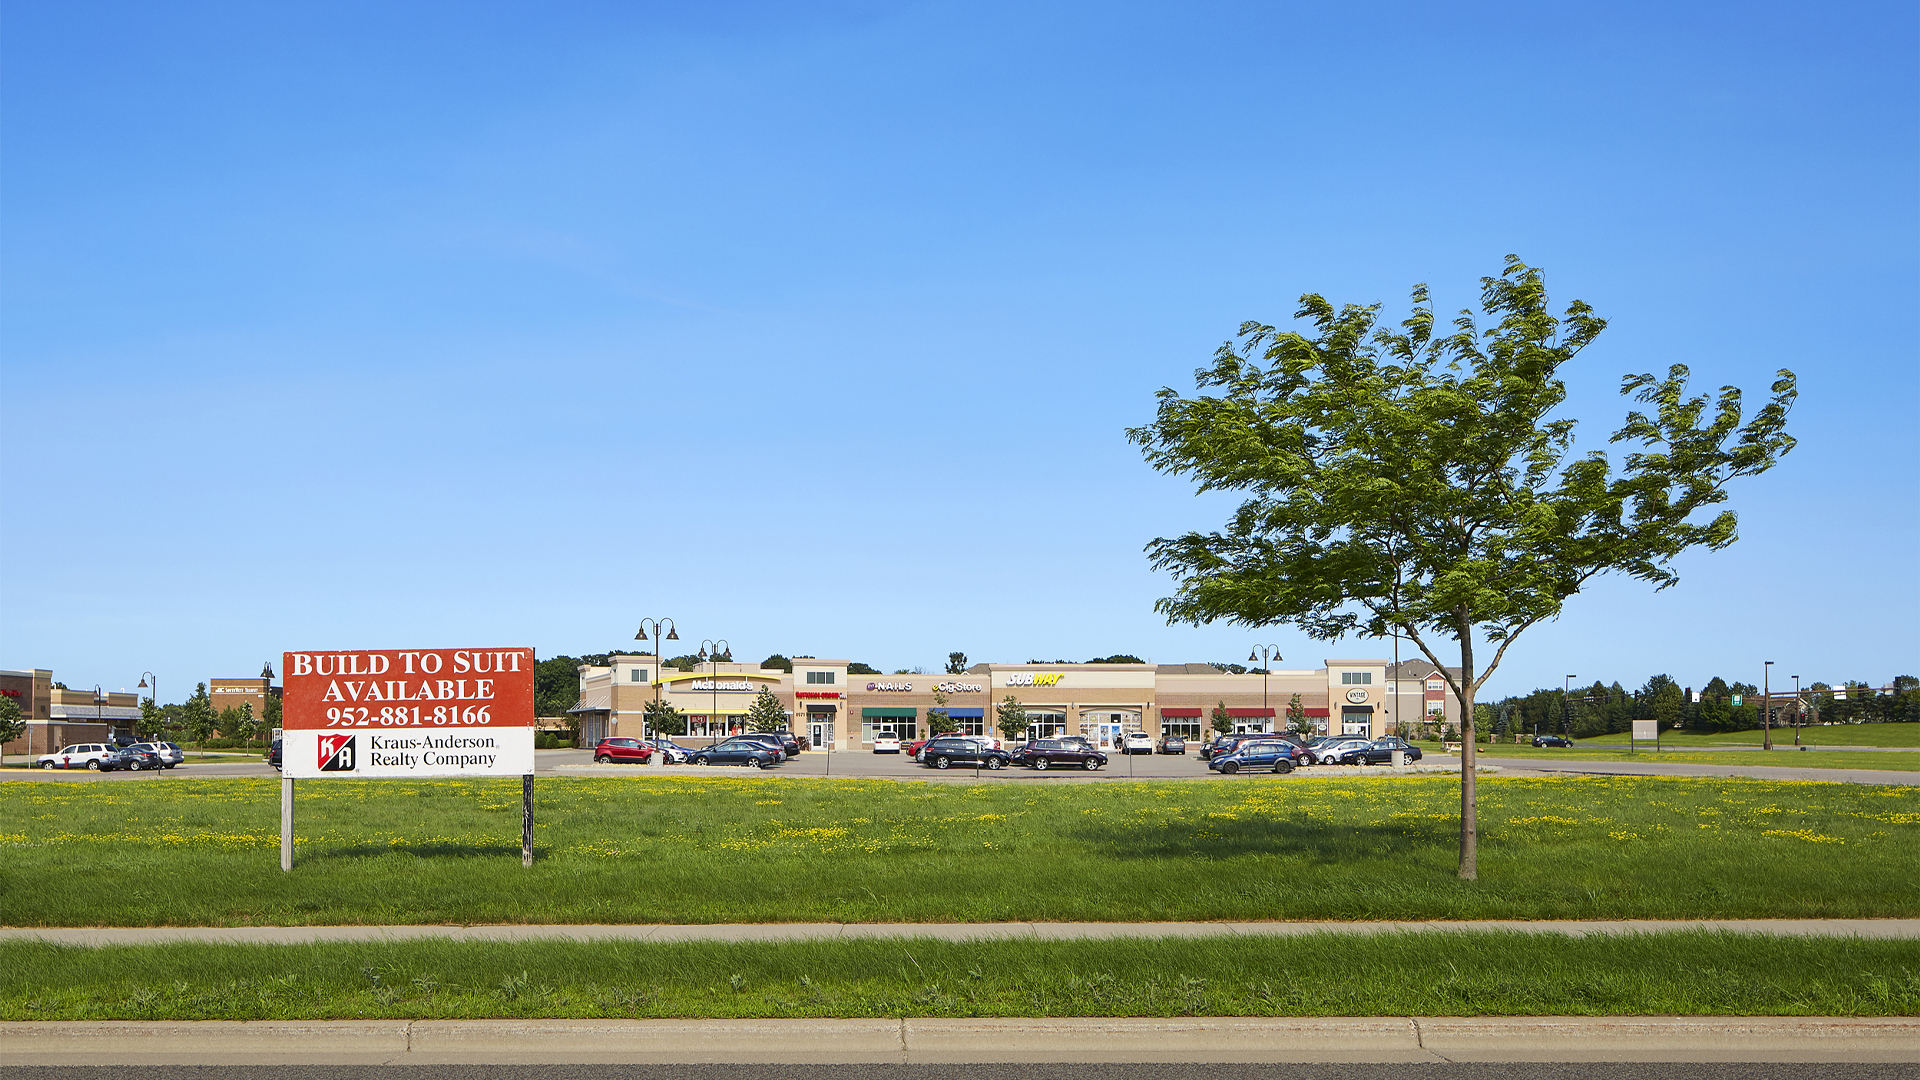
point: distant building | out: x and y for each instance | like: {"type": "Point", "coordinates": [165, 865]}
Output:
{"type": "Point", "coordinates": [59, 717]}
{"type": "Point", "coordinates": [1102, 702]}
{"type": "Point", "coordinates": [233, 693]}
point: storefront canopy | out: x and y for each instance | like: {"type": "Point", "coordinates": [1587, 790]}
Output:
{"type": "Point", "coordinates": [888, 712]}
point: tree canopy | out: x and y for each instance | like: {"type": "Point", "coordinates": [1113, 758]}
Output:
{"type": "Point", "coordinates": [1406, 480]}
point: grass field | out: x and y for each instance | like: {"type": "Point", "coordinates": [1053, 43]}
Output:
{"type": "Point", "coordinates": [1789, 758]}
{"type": "Point", "coordinates": [753, 849]}
{"type": "Point", "coordinates": [1895, 735]}
{"type": "Point", "coordinates": [1428, 974]}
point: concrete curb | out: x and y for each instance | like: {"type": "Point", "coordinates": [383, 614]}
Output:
{"type": "Point", "coordinates": [921, 1041]}
{"type": "Point", "coordinates": [1874, 929]}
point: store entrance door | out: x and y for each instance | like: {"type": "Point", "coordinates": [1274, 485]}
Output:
{"type": "Point", "coordinates": [820, 734]}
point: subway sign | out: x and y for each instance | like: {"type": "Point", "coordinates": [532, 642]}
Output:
{"type": "Point", "coordinates": [1035, 678]}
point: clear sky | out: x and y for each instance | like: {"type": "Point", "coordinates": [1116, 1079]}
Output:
{"type": "Point", "coordinates": [816, 327]}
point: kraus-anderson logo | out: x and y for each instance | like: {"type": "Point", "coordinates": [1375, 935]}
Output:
{"type": "Point", "coordinates": [336, 753]}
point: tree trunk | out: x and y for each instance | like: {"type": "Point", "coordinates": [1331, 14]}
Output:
{"type": "Point", "coordinates": [1469, 815]}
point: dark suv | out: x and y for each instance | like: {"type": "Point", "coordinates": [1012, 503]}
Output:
{"type": "Point", "coordinates": [1060, 753]}
{"type": "Point", "coordinates": [949, 750]}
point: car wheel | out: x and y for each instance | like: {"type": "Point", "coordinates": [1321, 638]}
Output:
{"type": "Point", "coordinates": [1040, 764]}
{"type": "Point", "coordinates": [701, 760]}
{"type": "Point", "coordinates": [602, 759]}
{"type": "Point", "coordinates": [756, 763]}
{"type": "Point", "coordinates": [1092, 764]}
{"type": "Point", "coordinates": [46, 764]}
{"type": "Point", "coordinates": [94, 765]}
{"type": "Point", "coordinates": [1229, 766]}
{"type": "Point", "coordinates": [941, 762]}
{"type": "Point", "coordinates": [1283, 766]}
{"type": "Point", "coordinates": [993, 763]}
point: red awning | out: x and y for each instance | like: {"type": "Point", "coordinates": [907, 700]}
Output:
{"type": "Point", "coordinates": [1249, 712]}
{"type": "Point", "coordinates": [1316, 712]}
{"type": "Point", "coordinates": [1179, 712]}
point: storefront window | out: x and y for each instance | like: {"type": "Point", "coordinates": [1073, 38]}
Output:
{"type": "Point", "coordinates": [1046, 725]}
{"type": "Point", "coordinates": [1181, 728]}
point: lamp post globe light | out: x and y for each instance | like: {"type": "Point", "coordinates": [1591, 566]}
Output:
{"type": "Point", "coordinates": [659, 657]}
{"type": "Point", "coordinates": [1265, 655]}
{"type": "Point", "coordinates": [711, 651]}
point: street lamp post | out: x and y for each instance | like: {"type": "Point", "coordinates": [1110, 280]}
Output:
{"type": "Point", "coordinates": [659, 656]}
{"type": "Point", "coordinates": [1265, 655]}
{"type": "Point", "coordinates": [1796, 710]}
{"type": "Point", "coordinates": [99, 714]}
{"type": "Point", "coordinates": [711, 650]}
{"type": "Point", "coordinates": [1766, 706]}
{"type": "Point", "coordinates": [151, 684]}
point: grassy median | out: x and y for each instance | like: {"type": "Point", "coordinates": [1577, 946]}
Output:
{"type": "Point", "coordinates": [1430, 974]}
{"type": "Point", "coordinates": [1787, 758]}
{"type": "Point", "coordinates": [736, 847]}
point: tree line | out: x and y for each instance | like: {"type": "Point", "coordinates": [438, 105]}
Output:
{"type": "Point", "coordinates": [1610, 708]}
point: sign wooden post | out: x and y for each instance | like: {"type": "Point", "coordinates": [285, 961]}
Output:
{"type": "Point", "coordinates": [286, 822]}
{"type": "Point", "coordinates": [407, 714]}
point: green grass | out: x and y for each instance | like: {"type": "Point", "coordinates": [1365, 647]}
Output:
{"type": "Point", "coordinates": [1427, 974]}
{"type": "Point", "coordinates": [749, 848]}
{"type": "Point", "coordinates": [1787, 758]}
{"type": "Point", "coordinates": [1895, 735]}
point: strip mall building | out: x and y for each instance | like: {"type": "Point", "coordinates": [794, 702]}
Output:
{"type": "Point", "coordinates": [1102, 702]}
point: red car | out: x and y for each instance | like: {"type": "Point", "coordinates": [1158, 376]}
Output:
{"type": "Point", "coordinates": [623, 749]}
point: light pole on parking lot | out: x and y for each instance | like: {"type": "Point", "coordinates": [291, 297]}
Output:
{"type": "Point", "coordinates": [659, 657]}
{"type": "Point", "coordinates": [711, 650]}
{"type": "Point", "coordinates": [1272, 653]}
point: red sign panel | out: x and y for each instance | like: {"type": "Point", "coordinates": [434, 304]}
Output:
{"type": "Point", "coordinates": [393, 688]}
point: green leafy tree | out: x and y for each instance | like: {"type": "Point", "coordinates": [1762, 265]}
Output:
{"type": "Point", "coordinates": [1296, 715]}
{"type": "Point", "coordinates": [776, 662]}
{"type": "Point", "coordinates": [766, 713]}
{"type": "Point", "coordinates": [12, 726]}
{"type": "Point", "coordinates": [1117, 658]}
{"type": "Point", "coordinates": [1664, 701]}
{"type": "Point", "coordinates": [153, 721]}
{"type": "Point", "coordinates": [857, 668]}
{"type": "Point", "coordinates": [1011, 718]}
{"type": "Point", "coordinates": [1222, 719]}
{"type": "Point", "coordinates": [686, 663]}
{"type": "Point", "coordinates": [956, 663]}
{"type": "Point", "coordinates": [198, 717]}
{"type": "Point", "coordinates": [662, 718]}
{"type": "Point", "coordinates": [1403, 481]}
{"type": "Point", "coordinates": [556, 685]}
{"type": "Point", "coordinates": [938, 722]}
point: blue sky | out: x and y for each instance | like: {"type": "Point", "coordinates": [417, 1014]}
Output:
{"type": "Point", "coordinates": [816, 327]}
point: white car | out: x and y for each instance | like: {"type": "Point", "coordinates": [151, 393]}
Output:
{"type": "Point", "coordinates": [170, 754]}
{"type": "Point", "coordinates": [78, 756]}
{"type": "Point", "coordinates": [1137, 742]}
{"type": "Point", "coordinates": [886, 744]}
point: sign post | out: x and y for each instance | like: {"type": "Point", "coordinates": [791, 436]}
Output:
{"type": "Point", "coordinates": [407, 714]}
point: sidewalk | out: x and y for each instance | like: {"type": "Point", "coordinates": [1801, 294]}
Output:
{"type": "Point", "coordinates": [935, 1041]}
{"type": "Point", "coordinates": [1883, 929]}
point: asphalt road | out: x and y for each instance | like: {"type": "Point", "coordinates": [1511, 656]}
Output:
{"type": "Point", "coordinates": [1064, 1071]}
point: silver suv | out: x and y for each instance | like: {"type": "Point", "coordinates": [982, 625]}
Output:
{"type": "Point", "coordinates": [169, 753]}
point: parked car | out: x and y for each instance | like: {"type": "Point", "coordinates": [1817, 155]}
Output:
{"type": "Point", "coordinates": [1552, 740]}
{"type": "Point", "coordinates": [131, 759]}
{"type": "Point", "coordinates": [671, 753]}
{"type": "Point", "coordinates": [1379, 752]}
{"type": "Point", "coordinates": [170, 753]}
{"type": "Point", "coordinates": [1328, 750]}
{"type": "Point", "coordinates": [737, 751]}
{"type": "Point", "coordinates": [1273, 755]}
{"type": "Point", "coordinates": [1135, 742]}
{"type": "Point", "coordinates": [1049, 753]}
{"type": "Point", "coordinates": [620, 748]}
{"type": "Point", "coordinates": [273, 754]}
{"type": "Point", "coordinates": [886, 743]}
{"type": "Point", "coordinates": [771, 740]}
{"type": "Point", "coordinates": [913, 748]}
{"type": "Point", "coordinates": [77, 756]}
{"type": "Point", "coordinates": [787, 741]}
{"type": "Point", "coordinates": [949, 750]}
{"type": "Point", "coordinates": [1173, 744]}
{"type": "Point", "coordinates": [1225, 744]}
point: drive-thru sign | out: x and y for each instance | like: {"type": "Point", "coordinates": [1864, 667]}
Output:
{"type": "Point", "coordinates": [392, 714]}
